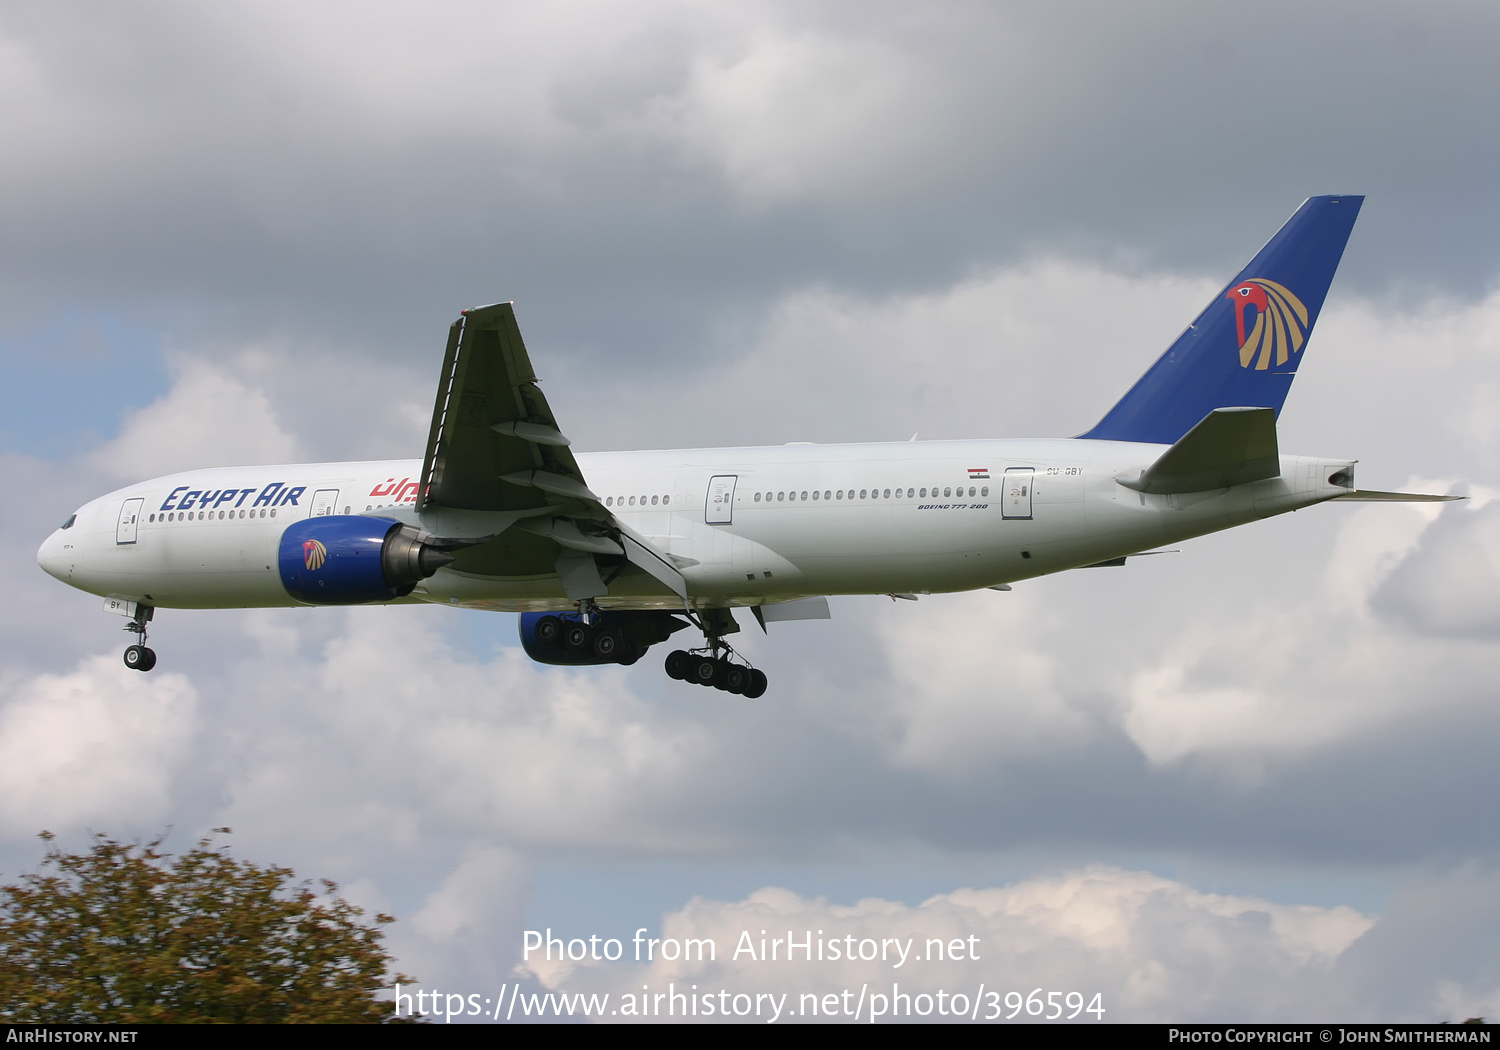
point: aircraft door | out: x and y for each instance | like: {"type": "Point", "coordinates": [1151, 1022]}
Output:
{"type": "Point", "coordinates": [719, 506]}
{"type": "Point", "coordinates": [130, 519]}
{"type": "Point", "coordinates": [1018, 486]}
{"type": "Point", "coordinates": [324, 502]}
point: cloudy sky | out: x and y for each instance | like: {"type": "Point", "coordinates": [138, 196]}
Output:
{"type": "Point", "coordinates": [1253, 780]}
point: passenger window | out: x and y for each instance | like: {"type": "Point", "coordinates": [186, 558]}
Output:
{"type": "Point", "coordinates": [861, 493]}
{"type": "Point", "coordinates": [827, 495]}
{"type": "Point", "coordinates": [653, 501]}
{"type": "Point", "coordinates": [804, 495]}
{"type": "Point", "coordinates": [947, 492]}
{"type": "Point", "coordinates": [887, 493]}
{"type": "Point", "coordinates": [985, 491]}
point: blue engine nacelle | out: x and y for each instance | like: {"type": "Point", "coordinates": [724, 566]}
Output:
{"type": "Point", "coordinates": [345, 559]}
{"type": "Point", "coordinates": [613, 637]}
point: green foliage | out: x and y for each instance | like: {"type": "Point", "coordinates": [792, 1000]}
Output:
{"type": "Point", "coordinates": [126, 934]}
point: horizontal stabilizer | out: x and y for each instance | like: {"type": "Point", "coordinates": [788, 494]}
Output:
{"type": "Point", "coordinates": [1371, 496]}
{"type": "Point", "coordinates": [1229, 446]}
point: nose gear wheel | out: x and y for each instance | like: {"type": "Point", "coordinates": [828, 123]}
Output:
{"type": "Point", "coordinates": [139, 657]}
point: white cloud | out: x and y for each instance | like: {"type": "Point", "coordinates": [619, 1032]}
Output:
{"type": "Point", "coordinates": [807, 115]}
{"type": "Point", "coordinates": [1450, 585]}
{"type": "Point", "coordinates": [99, 745]}
{"type": "Point", "coordinates": [1038, 349]}
{"type": "Point", "coordinates": [974, 684]}
{"type": "Point", "coordinates": [456, 931]}
{"type": "Point", "coordinates": [209, 418]}
{"type": "Point", "coordinates": [410, 732]}
{"type": "Point", "coordinates": [1154, 949]}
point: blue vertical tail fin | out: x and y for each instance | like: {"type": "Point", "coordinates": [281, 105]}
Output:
{"type": "Point", "coordinates": [1244, 348]}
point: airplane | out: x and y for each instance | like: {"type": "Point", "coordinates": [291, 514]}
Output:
{"type": "Point", "coordinates": [606, 554]}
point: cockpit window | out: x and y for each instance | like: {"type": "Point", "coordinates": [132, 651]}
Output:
{"type": "Point", "coordinates": [69, 523]}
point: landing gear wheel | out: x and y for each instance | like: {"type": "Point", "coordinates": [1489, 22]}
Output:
{"type": "Point", "coordinates": [678, 664]}
{"type": "Point", "coordinates": [757, 684]}
{"type": "Point", "coordinates": [548, 630]}
{"type": "Point", "coordinates": [609, 644]}
{"type": "Point", "coordinates": [577, 638]}
{"type": "Point", "coordinates": [139, 658]}
{"type": "Point", "coordinates": [732, 678]}
{"type": "Point", "coordinates": [702, 670]}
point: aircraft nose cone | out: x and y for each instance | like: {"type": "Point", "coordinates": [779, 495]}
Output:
{"type": "Point", "coordinates": [49, 557]}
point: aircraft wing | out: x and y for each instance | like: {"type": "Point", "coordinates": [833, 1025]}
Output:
{"type": "Point", "coordinates": [497, 463]}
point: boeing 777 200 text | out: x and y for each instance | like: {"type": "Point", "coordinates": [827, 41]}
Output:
{"type": "Point", "coordinates": [606, 554]}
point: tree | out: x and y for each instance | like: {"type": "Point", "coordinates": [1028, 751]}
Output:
{"type": "Point", "coordinates": [126, 934]}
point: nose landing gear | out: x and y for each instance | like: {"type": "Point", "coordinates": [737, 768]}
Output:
{"type": "Point", "coordinates": [139, 657]}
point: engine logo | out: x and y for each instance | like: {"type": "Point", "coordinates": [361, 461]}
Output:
{"type": "Point", "coordinates": [314, 554]}
{"type": "Point", "coordinates": [1280, 322]}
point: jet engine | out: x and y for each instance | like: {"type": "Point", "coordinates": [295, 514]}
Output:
{"type": "Point", "coordinates": [350, 560]}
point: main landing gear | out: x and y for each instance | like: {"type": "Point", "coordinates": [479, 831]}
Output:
{"type": "Point", "coordinates": [139, 657]}
{"type": "Point", "coordinates": [705, 666]}
{"type": "Point", "coordinates": [595, 636]}
{"type": "Point", "coordinates": [596, 641]}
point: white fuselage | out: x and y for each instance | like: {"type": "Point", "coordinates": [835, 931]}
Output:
{"type": "Point", "coordinates": [744, 526]}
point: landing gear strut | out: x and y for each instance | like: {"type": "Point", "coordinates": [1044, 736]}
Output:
{"type": "Point", "coordinates": [139, 657]}
{"type": "Point", "coordinates": [705, 666]}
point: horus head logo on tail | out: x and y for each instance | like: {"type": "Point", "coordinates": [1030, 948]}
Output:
{"type": "Point", "coordinates": [313, 554]}
{"type": "Point", "coordinates": [1280, 326]}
